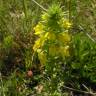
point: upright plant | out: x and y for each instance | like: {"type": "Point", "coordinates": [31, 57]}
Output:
{"type": "Point", "coordinates": [53, 43]}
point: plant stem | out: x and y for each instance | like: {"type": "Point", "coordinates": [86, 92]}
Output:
{"type": "Point", "coordinates": [39, 5]}
{"type": "Point", "coordinates": [79, 91]}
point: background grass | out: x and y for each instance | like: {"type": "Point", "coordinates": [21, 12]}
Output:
{"type": "Point", "coordinates": [17, 19]}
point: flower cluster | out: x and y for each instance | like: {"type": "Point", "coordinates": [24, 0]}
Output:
{"type": "Point", "coordinates": [53, 36]}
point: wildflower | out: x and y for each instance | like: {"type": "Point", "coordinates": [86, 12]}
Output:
{"type": "Point", "coordinates": [64, 37]}
{"type": "Point", "coordinates": [66, 24]}
{"type": "Point", "coordinates": [37, 44]}
{"type": "Point", "coordinates": [51, 36]}
{"type": "Point", "coordinates": [53, 50]}
{"type": "Point", "coordinates": [64, 51]}
{"type": "Point", "coordinates": [42, 57]}
{"type": "Point", "coordinates": [46, 35]}
{"type": "Point", "coordinates": [38, 29]}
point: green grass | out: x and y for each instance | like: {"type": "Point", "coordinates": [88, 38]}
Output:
{"type": "Point", "coordinates": [17, 20]}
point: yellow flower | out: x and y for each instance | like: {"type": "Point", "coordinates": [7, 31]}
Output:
{"type": "Point", "coordinates": [64, 50]}
{"type": "Point", "coordinates": [46, 35]}
{"type": "Point", "coordinates": [64, 37]}
{"type": "Point", "coordinates": [53, 50]}
{"type": "Point", "coordinates": [51, 36]}
{"type": "Point", "coordinates": [66, 24]}
{"type": "Point", "coordinates": [42, 57]}
{"type": "Point", "coordinates": [38, 29]}
{"type": "Point", "coordinates": [37, 45]}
